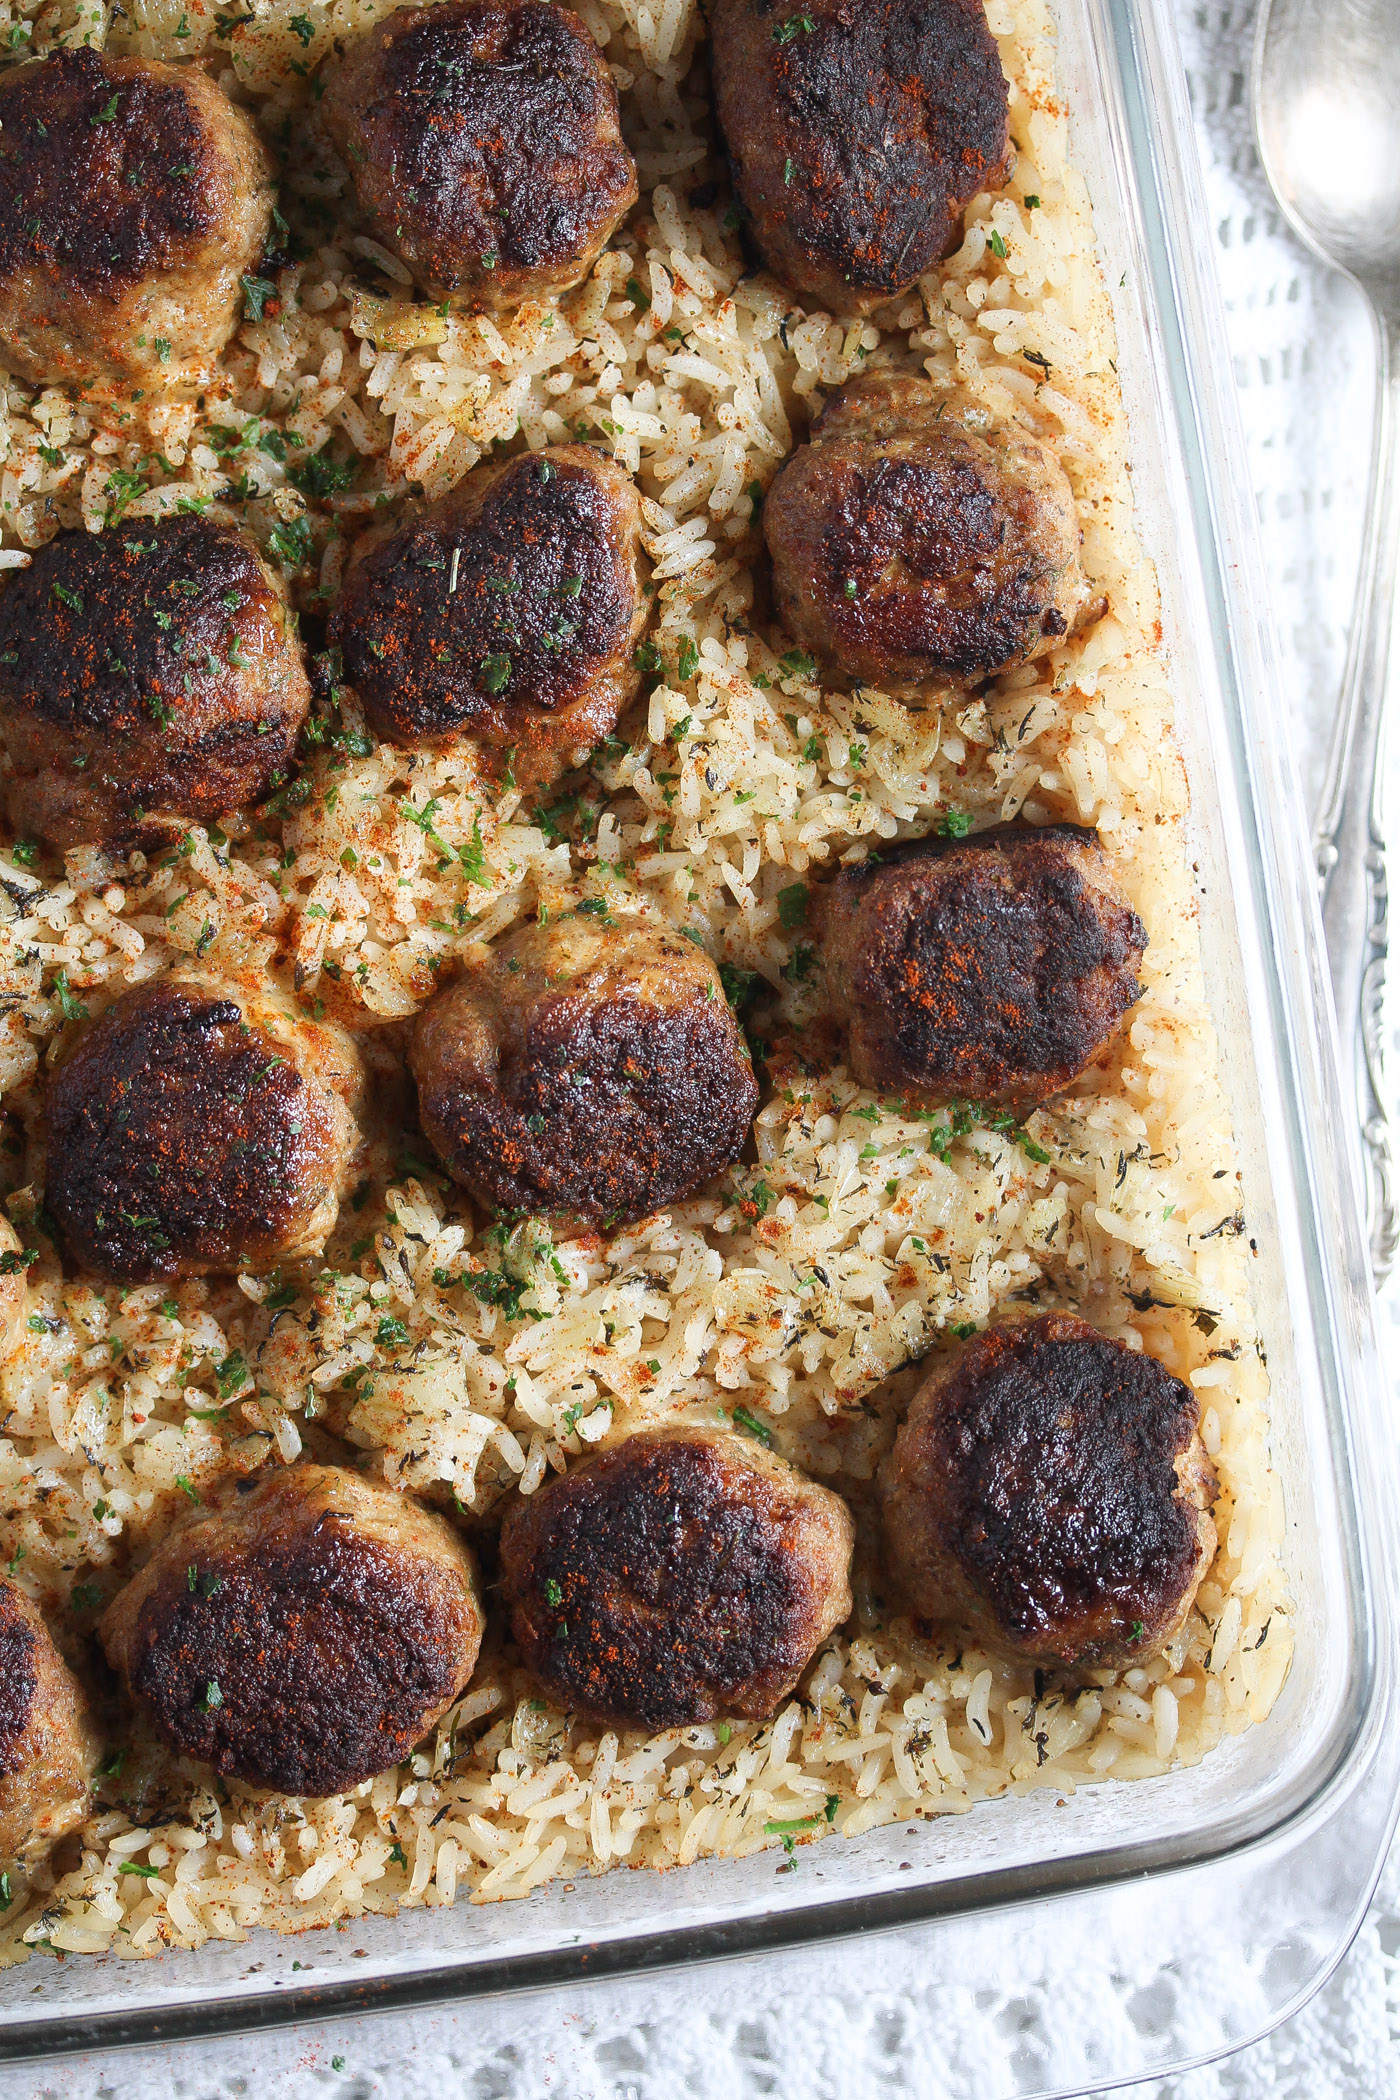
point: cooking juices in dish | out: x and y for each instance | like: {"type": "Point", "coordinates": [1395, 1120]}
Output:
{"type": "Point", "coordinates": [658, 1040]}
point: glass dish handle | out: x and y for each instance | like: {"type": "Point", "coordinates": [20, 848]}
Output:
{"type": "Point", "coordinates": [1350, 835]}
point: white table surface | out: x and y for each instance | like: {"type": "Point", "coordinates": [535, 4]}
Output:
{"type": "Point", "coordinates": [1303, 367]}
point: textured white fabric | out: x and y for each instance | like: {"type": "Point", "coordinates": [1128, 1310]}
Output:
{"type": "Point", "coordinates": [872, 2020]}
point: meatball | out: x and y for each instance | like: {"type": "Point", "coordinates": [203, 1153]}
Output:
{"type": "Point", "coordinates": [48, 1748]}
{"type": "Point", "coordinates": [858, 133]}
{"type": "Point", "coordinates": [586, 1070]}
{"type": "Point", "coordinates": [685, 1573]}
{"type": "Point", "coordinates": [133, 196]}
{"type": "Point", "coordinates": [1049, 1492]}
{"type": "Point", "coordinates": [508, 612]}
{"type": "Point", "coordinates": [916, 541]}
{"type": "Point", "coordinates": [484, 143]}
{"type": "Point", "coordinates": [198, 1128]}
{"type": "Point", "coordinates": [302, 1633]}
{"type": "Point", "coordinates": [992, 969]}
{"type": "Point", "coordinates": [150, 676]}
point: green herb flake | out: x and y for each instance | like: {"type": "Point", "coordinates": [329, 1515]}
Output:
{"type": "Point", "coordinates": [231, 1374]}
{"type": "Point", "coordinates": [256, 293]}
{"type": "Point", "coordinates": [792, 906]}
{"type": "Point", "coordinates": [997, 246]}
{"type": "Point", "coordinates": [798, 664]}
{"type": "Point", "coordinates": [751, 1426]}
{"type": "Point", "coordinates": [131, 1866]}
{"type": "Point", "coordinates": [72, 1009]}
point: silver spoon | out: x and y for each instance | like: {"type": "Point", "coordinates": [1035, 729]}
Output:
{"type": "Point", "coordinates": [1326, 94]}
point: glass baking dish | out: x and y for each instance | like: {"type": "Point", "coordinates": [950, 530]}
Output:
{"type": "Point", "coordinates": [1266, 1853]}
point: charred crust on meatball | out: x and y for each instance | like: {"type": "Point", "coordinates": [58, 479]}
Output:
{"type": "Point", "coordinates": [148, 674]}
{"type": "Point", "coordinates": [19, 1680]}
{"type": "Point", "coordinates": [679, 1576]}
{"type": "Point", "coordinates": [182, 1139]}
{"type": "Point", "coordinates": [993, 969]}
{"type": "Point", "coordinates": [303, 1654]}
{"type": "Point", "coordinates": [507, 613]}
{"type": "Point", "coordinates": [598, 1094]}
{"type": "Point", "coordinates": [105, 172]}
{"type": "Point", "coordinates": [858, 132]}
{"type": "Point", "coordinates": [1050, 1492]}
{"type": "Point", "coordinates": [485, 141]}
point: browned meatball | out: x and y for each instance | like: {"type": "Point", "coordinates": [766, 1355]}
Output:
{"type": "Point", "coordinates": [593, 1072]}
{"type": "Point", "coordinates": [303, 1633]}
{"type": "Point", "coordinates": [1049, 1493]}
{"type": "Point", "coordinates": [685, 1573]}
{"type": "Point", "coordinates": [858, 133]}
{"type": "Point", "coordinates": [196, 1128]}
{"type": "Point", "coordinates": [994, 969]}
{"type": "Point", "coordinates": [917, 541]}
{"type": "Point", "coordinates": [508, 612]}
{"type": "Point", "coordinates": [484, 143]}
{"type": "Point", "coordinates": [48, 1749]}
{"type": "Point", "coordinates": [150, 676]}
{"type": "Point", "coordinates": [133, 196]}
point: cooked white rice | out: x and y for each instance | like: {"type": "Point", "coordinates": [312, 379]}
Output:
{"type": "Point", "coordinates": [794, 1292]}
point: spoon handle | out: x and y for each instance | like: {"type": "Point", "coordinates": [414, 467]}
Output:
{"type": "Point", "coordinates": [1350, 837]}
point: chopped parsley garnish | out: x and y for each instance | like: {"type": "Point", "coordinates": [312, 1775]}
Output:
{"type": "Point", "coordinates": [966, 1116]}
{"type": "Point", "coordinates": [390, 1333]}
{"type": "Point", "coordinates": [473, 857]}
{"type": "Point", "coordinates": [955, 823]}
{"type": "Point", "coordinates": [73, 1009]}
{"type": "Point", "coordinates": [256, 293]}
{"type": "Point", "coordinates": [997, 246]}
{"type": "Point", "coordinates": [751, 1426]}
{"type": "Point", "coordinates": [231, 1374]}
{"type": "Point", "coordinates": [552, 1592]}
{"type": "Point", "coordinates": [792, 906]}
{"type": "Point", "coordinates": [495, 673]}
{"type": "Point", "coordinates": [322, 475]}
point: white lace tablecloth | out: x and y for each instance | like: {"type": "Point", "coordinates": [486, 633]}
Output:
{"type": "Point", "coordinates": [862, 2022]}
